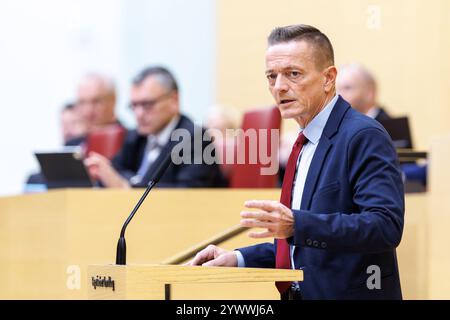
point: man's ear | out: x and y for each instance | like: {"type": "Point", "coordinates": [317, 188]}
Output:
{"type": "Point", "coordinates": [176, 101]}
{"type": "Point", "coordinates": [329, 75]}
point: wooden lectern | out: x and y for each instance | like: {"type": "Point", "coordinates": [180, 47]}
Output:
{"type": "Point", "coordinates": [152, 281]}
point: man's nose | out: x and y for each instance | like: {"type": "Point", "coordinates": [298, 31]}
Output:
{"type": "Point", "coordinates": [139, 112]}
{"type": "Point", "coordinates": [281, 84]}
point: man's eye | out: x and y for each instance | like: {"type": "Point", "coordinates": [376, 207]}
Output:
{"type": "Point", "coordinates": [294, 74]}
{"type": "Point", "coordinates": [271, 76]}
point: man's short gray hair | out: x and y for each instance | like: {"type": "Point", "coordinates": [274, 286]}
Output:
{"type": "Point", "coordinates": [163, 75]}
{"type": "Point", "coordinates": [299, 32]}
{"type": "Point", "coordinates": [106, 81]}
{"type": "Point", "coordinates": [363, 71]}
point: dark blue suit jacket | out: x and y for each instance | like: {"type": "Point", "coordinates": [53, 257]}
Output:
{"type": "Point", "coordinates": [351, 214]}
{"type": "Point", "coordinates": [201, 175]}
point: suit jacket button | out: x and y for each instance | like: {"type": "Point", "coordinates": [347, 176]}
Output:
{"type": "Point", "coordinates": [315, 243]}
{"type": "Point", "coordinates": [323, 245]}
{"type": "Point", "coordinates": [308, 242]}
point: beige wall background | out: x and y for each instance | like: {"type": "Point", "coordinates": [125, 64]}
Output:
{"type": "Point", "coordinates": [405, 43]}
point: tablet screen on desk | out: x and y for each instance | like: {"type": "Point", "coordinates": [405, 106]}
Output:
{"type": "Point", "coordinates": [64, 168]}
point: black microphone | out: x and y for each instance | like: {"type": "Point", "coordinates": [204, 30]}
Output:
{"type": "Point", "coordinates": [121, 256]}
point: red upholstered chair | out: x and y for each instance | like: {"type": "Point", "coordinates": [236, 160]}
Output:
{"type": "Point", "coordinates": [107, 141]}
{"type": "Point", "coordinates": [249, 175]}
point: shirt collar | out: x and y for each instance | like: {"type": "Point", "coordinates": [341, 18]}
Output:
{"type": "Point", "coordinates": [373, 112]}
{"type": "Point", "coordinates": [163, 137]}
{"type": "Point", "coordinates": [313, 131]}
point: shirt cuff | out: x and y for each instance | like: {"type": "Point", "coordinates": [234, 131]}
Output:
{"type": "Point", "coordinates": [240, 259]}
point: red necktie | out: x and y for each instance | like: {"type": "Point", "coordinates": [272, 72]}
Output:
{"type": "Point", "coordinates": [283, 257]}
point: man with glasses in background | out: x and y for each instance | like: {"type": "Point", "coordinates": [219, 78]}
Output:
{"type": "Point", "coordinates": [156, 106]}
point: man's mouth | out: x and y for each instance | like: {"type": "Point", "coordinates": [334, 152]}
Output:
{"type": "Point", "coordinates": [286, 101]}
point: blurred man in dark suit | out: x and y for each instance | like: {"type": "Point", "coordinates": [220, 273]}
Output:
{"type": "Point", "coordinates": [156, 106]}
{"type": "Point", "coordinates": [358, 86]}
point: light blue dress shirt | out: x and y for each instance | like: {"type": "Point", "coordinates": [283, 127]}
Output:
{"type": "Point", "coordinates": [313, 132]}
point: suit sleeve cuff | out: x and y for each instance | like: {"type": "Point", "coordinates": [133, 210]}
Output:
{"type": "Point", "coordinates": [304, 227]}
{"type": "Point", "coordinates": [240, 259]}
{"type": "Point", "coordinates": [300, 224]}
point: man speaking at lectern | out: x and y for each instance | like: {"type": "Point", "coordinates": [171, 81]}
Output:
{"type": "Point", "coordinates": [340, 216]}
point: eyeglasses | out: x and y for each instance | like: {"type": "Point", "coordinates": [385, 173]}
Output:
{"type": "Point", "coordinates": [148, 104]}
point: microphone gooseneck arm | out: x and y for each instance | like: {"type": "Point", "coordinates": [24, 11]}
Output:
{"type": "Point", "coordinates": [121, 254]}
{"type": "Point", "coordinates": [141, 200]}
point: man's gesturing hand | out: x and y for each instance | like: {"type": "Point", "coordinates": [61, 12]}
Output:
{"type": "Point", "coordinates": [214, 256]}
{"type": "Point", "coordinates": [274, 216]}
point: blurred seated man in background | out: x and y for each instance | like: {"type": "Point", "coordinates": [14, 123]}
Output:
{"type": "Point", "coordinates": [221, 122]}
{"type": "Point", "coordinates": [358, 86]}
{"type": "Point", "coordinates": [72, 129]}
{"type": "Point", "coordinates": [95, 104]}
{"type": "Point", "coordinates": [156, 106]}
{"type": "Point", "coordinates": [72, 126]}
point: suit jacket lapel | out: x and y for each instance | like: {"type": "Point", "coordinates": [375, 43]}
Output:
{"type": "Point", "coordinates": [140, 151]}
{"type": "Point", "coordinates": [165, 149]}
{"type": "Point", "coordinates": [154, 165]}
{"type": "Point", "coordinates": [319, 158]}
{"type": "Point", "coordinates": [314, 171]}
